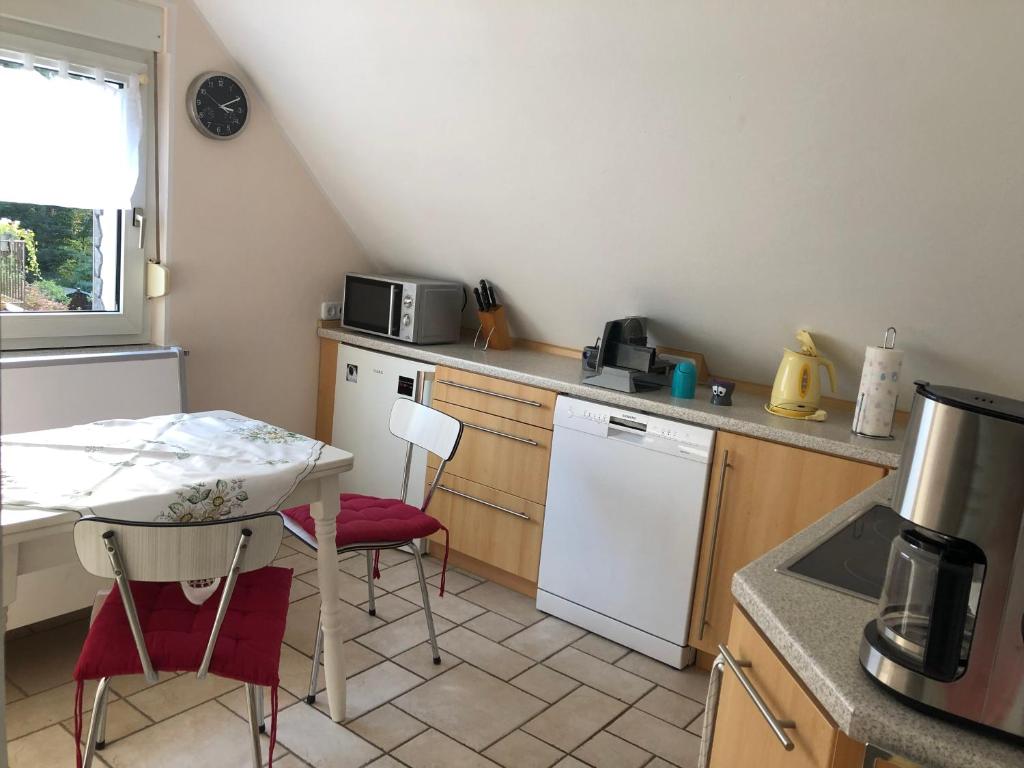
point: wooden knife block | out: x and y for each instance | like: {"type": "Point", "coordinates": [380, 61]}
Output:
{"type": "Point", "coordinates": [493, 332]}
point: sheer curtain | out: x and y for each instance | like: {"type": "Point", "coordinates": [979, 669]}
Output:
{"type": "Point", "coordinates": [66, 141]}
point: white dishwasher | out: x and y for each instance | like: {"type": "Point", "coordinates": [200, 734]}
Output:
{"type": "Point", "coordinates": [622, 525]}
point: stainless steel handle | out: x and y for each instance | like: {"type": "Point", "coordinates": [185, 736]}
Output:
{"type": "Point", "coordinates": [139, 222]}
{"type": "Point", "coordinates": [778, 726]}
{"type": "Point", "coordinates": [711, 549]}
{"type": "Point", "coordinates": [457, 385]}
{"type": "Point", "coordinates": [391, 312]}
{"type": "Point", "coordinates": [518, 439]}
{"type": "Point", "coordinates": [485, 503]}
{"type": "Point", "coordinates": [707, 734]}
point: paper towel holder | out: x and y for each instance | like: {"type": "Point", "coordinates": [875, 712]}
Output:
{"type": "Point", "coordinates": [888, 342]}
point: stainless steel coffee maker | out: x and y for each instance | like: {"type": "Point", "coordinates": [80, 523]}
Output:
{"type": "Point", "coordinates": [949, 635]}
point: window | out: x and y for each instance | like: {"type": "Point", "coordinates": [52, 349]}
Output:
{"type": "Point", "coordinates": [76, 148]}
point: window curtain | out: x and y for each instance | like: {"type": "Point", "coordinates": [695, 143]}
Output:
{"type": "Point", "coordinates": [67, 141]}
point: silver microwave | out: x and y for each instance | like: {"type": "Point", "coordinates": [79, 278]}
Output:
{"type": "Point", "coordinates": [410, 309]}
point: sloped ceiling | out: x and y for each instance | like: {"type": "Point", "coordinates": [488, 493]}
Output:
{"type": "Point", "coordinates": [735, 171]}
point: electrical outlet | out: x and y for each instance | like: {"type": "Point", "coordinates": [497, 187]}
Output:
{"type": "Point", "coordinates": [330, 310]}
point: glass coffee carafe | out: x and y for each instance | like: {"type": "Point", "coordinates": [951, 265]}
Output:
{"type": "Point", "coordinates": [930, 601]}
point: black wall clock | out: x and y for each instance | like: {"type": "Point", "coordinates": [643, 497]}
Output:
{"type": "Point", "coordinates": [218, 105]}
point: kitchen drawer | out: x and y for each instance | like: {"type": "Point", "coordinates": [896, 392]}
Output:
{"type": "Point", "coordinates": [497, 528]}
{"type": "Point", "coordinates": [501, 453]}
{"type": "Point", "coordinates": [742, 735]}
{"type": "Point", "coordinates": [495, 396]}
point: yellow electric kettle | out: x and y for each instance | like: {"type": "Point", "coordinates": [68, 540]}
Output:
{"type": "Point", "coordinates": [796, 393]}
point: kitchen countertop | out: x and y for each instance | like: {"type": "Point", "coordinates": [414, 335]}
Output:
{"type": "Point", "coordinates": [817, 631]}
{"type": "Point", "coordinates": [562, 374]}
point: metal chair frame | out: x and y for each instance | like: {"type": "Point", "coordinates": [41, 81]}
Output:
{"type": "Point", "coordinates": [170, 537]}
{"type": "Point", "coordinates": [449, 447]}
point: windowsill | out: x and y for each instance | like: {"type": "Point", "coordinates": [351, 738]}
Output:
{"type": "Point", "coordinates": [15, 357]}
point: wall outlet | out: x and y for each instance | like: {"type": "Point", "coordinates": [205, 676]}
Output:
{"type": "Point", "coordinates": [330, 310]}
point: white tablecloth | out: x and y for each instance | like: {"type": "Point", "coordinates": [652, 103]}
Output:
{"type": "Point", "coordinates": [175, 468]}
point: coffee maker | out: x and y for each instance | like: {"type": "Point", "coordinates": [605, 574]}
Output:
{"type": "Point", "coordinates": [949, 635]}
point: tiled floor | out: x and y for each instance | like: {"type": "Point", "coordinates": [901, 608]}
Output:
{"type": "Point", "coordinates": [517, 688]}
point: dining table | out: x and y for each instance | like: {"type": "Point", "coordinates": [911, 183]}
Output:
{"type": "Point", "coordinates": [175, 468]}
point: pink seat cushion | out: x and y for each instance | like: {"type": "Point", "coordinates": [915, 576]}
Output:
{"type": "Point", "coordinates": [369, 520]}
{"type": "Point", "coordinates": [176, 631]}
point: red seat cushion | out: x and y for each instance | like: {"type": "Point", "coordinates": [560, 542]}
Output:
{"type": "Point", "coordinates": [369, 520]}
{"type": "Point", "coordinates": [176, 631]}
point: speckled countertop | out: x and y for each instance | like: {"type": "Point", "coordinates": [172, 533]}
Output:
{"type": "Point", "coordinates": [818, 630]}
{"type": "Point", "coordinates": [562, 374]}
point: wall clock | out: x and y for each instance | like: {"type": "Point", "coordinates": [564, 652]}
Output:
{"type": "Point", "coordinates": [218, 105]}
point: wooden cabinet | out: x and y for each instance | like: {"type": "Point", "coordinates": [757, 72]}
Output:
{"type": "Point", "coordinates": [492, 494]}
{"type": "Point", "coordinates": [742, 735]}
{"type": "Point", "coordinates": [760, 494]}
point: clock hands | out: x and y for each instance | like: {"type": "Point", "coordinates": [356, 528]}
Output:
{"type": "Point", "coordinates": [225, 106]}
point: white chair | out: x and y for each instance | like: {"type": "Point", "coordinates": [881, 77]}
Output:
{"type": "Point", "coordinates": [237, 636]}
{"type": "Point", "coordinates": [370, 524]}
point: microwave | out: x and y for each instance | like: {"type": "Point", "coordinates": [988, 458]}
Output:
{"type": "Point", "coordinates": [412, 309]}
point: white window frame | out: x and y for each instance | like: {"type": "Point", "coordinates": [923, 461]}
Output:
{"type": "Point", "coordinates": [130, 323]}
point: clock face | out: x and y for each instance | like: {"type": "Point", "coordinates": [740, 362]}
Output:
{"type": "Point", "coordinates": [218, 105]}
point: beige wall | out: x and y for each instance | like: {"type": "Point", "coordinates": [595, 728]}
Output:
{"type": "Point", "coordinates": [735, 170]}
{"type": "Point", "coordinates": [253, 246]}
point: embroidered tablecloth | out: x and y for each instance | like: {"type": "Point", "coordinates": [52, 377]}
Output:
{"type": "Point", "coordinates": [180, 467]}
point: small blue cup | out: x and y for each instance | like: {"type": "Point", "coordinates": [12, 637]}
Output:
{"type": "Point", "coordinates": [684, 379]}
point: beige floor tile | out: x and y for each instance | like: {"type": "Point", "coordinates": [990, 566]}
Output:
{"type": "Point", "coordinates": [387, 727]}
{"type": "Point", "coordinates": [126, 685]}
{"type": "Point", "coordinates": [300, 631]}
{"type": "Point", "coordinates": [391, 607]}
{"type": "Point", "coordinates": [294, 670]}
{"type": "Point", "coordinates": [690, 682]}
{"type": "Point", "coordinates": [178, 694]}
{"type": "Point", "coordinates": [402, 575]}
{"type": "Point", "coordinates": [355, 565]}
{"type": "Point", "coordinates": [352, 587]}
{"type": "Point", "coordinates": [570, 762]}
{"type": "Point", "coordinates": [544, 638]}
{"type": "Point", "coordinates": [288, 761]}
{"type": "Point", "coordinates": [237, 702]}
{"type": "Point", "coordinates": [297, 561]}
{"type": "Point", "coordinates": [403, 634]}
{"type": "Point", "coordinates": [12, 692]}
{"type": "Point", "coordinates": [51, 746]}
{"type": "Point", "coordinates": [454, 581]}
{"type": "Point", "coordinates": [509, 604]}
{"type": "Point", "coordinates": [206, 735]}
{"type": "Point", "coordinates": [435, 750]}
{"type": "Point", "coordinates": [377, 685]}
{"type": "Point", "coordinates": [318, 740]}
{"type": "Point", "coordinates": [392, 557]}
{"type": "Point", "coordinates": [46, 708]}
{"type": "Point", "coordinates": [601, 647]}
{"type": "Point", "coordinates": [659, 763]}
{"type": "Point", "coordinates": [575, 718]}
{"type": "Point", "coordinates": [545, 683]}
{"type": "Point", "coordinates": [469, 705]}
{"type": "Point", "coordinates": [385, 762]}
{"type": "Point", "coordinates": [697, 726]}
{"type": "Point", "coordinates": [671, 707]}
{"type": "Point", "coordinates": [608, 751]}
{"type": "Point", "coordinates": [484, 653]}
{"type": "Point", "coordinates": [299, 590]}
{"type": "Point", "coordinates": [122, 720]}
{"type": "Point", "coordinates": [658, 737]}
{"type": "Point", "coordinates": [521, 750]}
{"type": "Point", "coordinates": [420, 659]}
{"type": "Point", "coordinates": [359, 657]}
{"type": "Point", "coordinates": [493, 626]}
{"type": "Point", "coordinates": [44, 660]}
{"type": "Point", "coordinates": [599, 674]}
{"type": "Point", "coordinates": [451, 606]}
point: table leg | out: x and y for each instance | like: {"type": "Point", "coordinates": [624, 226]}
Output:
{"type": "Point", "coordinates": [324, 513]}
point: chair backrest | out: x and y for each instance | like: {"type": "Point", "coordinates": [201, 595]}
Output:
{"type": "Point", "coordinates": [177, 551]}
{"type": "Point", "coordinates": [426, 428]}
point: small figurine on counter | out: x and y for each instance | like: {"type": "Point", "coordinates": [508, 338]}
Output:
{"type": "Point", "coordinates": [721, 392]}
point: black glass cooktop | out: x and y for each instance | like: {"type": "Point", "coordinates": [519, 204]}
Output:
{"type": "Point", "coordinates": [854, 558]}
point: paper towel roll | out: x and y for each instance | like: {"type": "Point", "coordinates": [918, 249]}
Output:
{"type": "Point", "coordinates": [879, 389]}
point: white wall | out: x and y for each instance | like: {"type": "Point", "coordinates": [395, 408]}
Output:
{"type": "Point", "coordinates": [734, 170]}
{"type": "Point", "coordinates": [253, 246]}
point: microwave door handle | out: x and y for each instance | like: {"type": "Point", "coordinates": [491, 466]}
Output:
{"type": "Point", "coordinates": [392, 330]}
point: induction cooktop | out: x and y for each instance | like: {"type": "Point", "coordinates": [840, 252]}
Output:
{"type": "Point", "coordinates": [853, 559]}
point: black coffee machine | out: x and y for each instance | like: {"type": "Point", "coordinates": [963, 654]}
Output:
{"type": "Point", "coordinates": [949, 635]}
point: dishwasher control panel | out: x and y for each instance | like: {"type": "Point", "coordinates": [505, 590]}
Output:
{"type": "Point", "coordinates": [604, 420]}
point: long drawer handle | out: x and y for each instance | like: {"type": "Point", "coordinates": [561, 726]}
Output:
{"type": "Point", "coordinates": [518, 439]}
{"type": "Point", "coordinates": [711, 549]}
{"type": "Point", "coordinates": [778, 726]}
{"type": "Point", "coordinates": [513, 512]}
{"type": "Point", "coordinates": [457, 385]}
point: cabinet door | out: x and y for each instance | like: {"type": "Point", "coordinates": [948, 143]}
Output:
{"type": "Point", "coordinates": [508, 399]}
{"type": "Point", "coordinates": [761, 494]}
{"type": "Point", "coordinates": [742, 735]}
